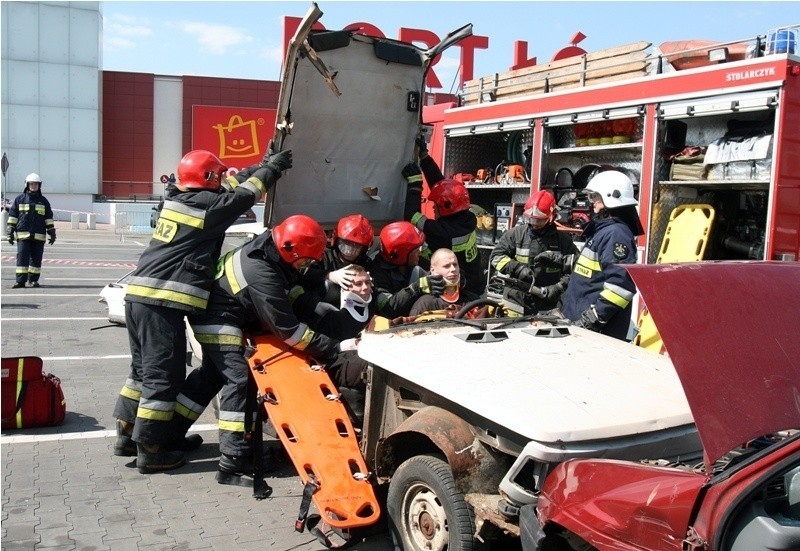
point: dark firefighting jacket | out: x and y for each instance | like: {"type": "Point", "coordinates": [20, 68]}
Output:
{"type": "Point", "coordinates": [517, 248]}
{"type": "Point", "coordinates": [599, 280]}
{"type": "Point", "coordinates": [455, 232]}
{"type": "Point", "coordinates": [31, 216]}
{"type": "Point", "coordinates": [177, 268]}
{"type": "Point", "coordinates": [251, 293]}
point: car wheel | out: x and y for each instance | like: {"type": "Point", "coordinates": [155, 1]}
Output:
{"type": "Point", "coordinates": [426, 511]}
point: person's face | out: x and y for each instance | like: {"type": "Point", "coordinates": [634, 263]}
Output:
{"type": "Point", "coordinates": [413, 257]}
{"type": "Point", "coordinates": [537, 223]}
{"type": "Point", "coordinates": [447, 267]}
{"type": "Point", "coordinates": [349, 250]}
{"type": "Point", "coordinates": [597, 201]}
{"type": "Point", "coordinates": [362, 286]}
{"type": "Point", "coordinates": [33, 186]}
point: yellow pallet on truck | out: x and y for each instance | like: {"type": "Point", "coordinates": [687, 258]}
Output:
{"type": "Point", "coordinates": [685, 240]}
{"type": "Point", "coordinates": [313, 424]}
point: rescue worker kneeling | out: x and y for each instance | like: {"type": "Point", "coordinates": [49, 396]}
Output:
{"type": "Point", "coordinates": [252, 288]}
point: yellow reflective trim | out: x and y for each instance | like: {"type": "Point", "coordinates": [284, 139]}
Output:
{"type": "Point", "coordinates": [131, 393]}
{"type": "Point", "coordinates": [469, 248]}
{"type": "Point", "coordinates": [235, 287]}
{"type": "Point", "coordinates": [193, 221]}
{"type": "Point", "coordinates": [154, 414]}
{"type": "Point", "coordinates": [165, 230]}
{"type": "Point", "coordinates": [40, 209]}
{"type": "Point", "coordinates": [12, 220]}
{"type": "Point", "coordinates": [23, 270]}
{"type": "Point", "coordinates": [22, 235]}
{"type": "Point", "coordinates": [219, 339]}
{"type": "Point", "coordinates": [614, 298]}
{"type": "Point", "coordinates": [20, 367]}
{"type": "Point", "coordinates": [305, 339]}
{"type": "Point", "coordinates": [231, 426]}
{"type": "Point", "coordinates": [183, 411]}
{"type": "Point", "coordinates": [589, 264]}
{"type": "Point", "coordinates": [163, 294]}
{"type": "Point", "coordinates": [502, 263]}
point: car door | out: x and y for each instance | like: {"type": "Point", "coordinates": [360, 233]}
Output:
{"type": "Point", "coordinates": [349, 108]}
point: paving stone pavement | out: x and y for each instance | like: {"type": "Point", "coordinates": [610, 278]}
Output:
{"type": "Point", "coordinates": [62, 487]}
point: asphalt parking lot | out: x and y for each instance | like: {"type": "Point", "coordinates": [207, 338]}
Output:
{"type": "Point", "coordinates": [62, 486]}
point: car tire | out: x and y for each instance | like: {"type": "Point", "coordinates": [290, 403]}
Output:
{"type": "Point", "coordinates": [426, 511]}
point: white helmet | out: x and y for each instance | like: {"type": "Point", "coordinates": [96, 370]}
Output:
{"type": "Point", "coordinates": [615, 188]}
{"type": "Point", "coordinates": [33, 177]}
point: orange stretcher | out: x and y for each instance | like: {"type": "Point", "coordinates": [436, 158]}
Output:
{"type": "Point", "coordinates": [312, 423]}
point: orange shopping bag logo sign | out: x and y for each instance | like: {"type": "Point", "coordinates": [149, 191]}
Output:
{"type": "Point", "coordinates": [238, 139]}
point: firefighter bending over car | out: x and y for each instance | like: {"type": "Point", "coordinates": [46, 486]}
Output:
{"type": "Point", "coordinates": [173, 278]}
{"type": "Point", "coordinates": [251, 293]}
{"type": "Point", "coordinates": [600, 290]}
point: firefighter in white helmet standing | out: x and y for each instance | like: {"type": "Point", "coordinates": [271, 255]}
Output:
{"type": "Point", "coordinates": [30, 217]}
{"type": "Point", "coordinates": [600, 291]}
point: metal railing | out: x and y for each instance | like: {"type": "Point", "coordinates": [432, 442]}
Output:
{"type": "Point", "coordinates": [130, 224]}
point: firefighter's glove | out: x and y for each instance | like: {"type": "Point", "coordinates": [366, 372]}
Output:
{"type": "Point", "coordinates": [413, 175]}
{"type": "Point", "coordinates": [555, 259]}
{"type": "Point", "coordinates": [245, 173]}
{"type": "Point", "coordinates": [422, 146]}
{"type": "Point", "coordinates": [589, 320]}
{"type": "Point", "coordinates": [280, 161]}
{"type": "Point", "coordinates": [52, 234]}
{"type": "Point", "coordinates": [550, 292]}
{"type": "Point", "coordinates": [10, 235]}
{"type": "Point", "coordinates": [430, 285]}
{"type": "Point", "coordinates": [523, 273]}
{"type": "Point", "coordinates": [342, 277]}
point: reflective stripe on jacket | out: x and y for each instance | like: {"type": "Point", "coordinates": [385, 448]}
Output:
{"type": "Point", "coordinates": [31, 216]}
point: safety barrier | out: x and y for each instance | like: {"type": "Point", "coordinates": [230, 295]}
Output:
{"type": "Point", "coordinates": [129, 224]}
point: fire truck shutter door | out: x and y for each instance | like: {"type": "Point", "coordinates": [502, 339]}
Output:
{"type": "Point", "coordinates": [718, 105]}
{"type": "Point", "coordinates": [489, 128]}
{"type": "Point", "coordinates": [594, 116]}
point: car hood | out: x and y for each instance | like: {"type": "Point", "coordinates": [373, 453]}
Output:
{"type": "Point", "coordinates": [731, 330]}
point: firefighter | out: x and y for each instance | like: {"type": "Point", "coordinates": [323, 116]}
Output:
{"type": "Point", "coordinates": [396, 270]}
{"type": "Point", "coordinates": [351, 241]}
{"type": "Point", "coordinates": [30, 217]}
{"type": "Point", "coordinates": [455, 224]}
{"type": "Point", "coordinates": [600, 290]}
{"type": "Point", "coordinates": [536, 253]}
{"type": "Point", "coordinates": [251, 292]}
{"type": "Point", "coordinates": [173, 278]}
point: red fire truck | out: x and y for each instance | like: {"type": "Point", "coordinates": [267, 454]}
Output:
{"type": "Point", "coordinates": [715, 127]}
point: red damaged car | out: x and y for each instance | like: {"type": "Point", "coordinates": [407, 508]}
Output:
{"type": "Point", "coordinates": [731, 330]}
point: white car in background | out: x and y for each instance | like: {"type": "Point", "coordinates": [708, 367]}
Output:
{"type": "Point", "coordinates": [113, 294]}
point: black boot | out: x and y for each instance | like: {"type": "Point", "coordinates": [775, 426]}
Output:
{"type": "Point", "coordinates": [187, 443]}
{"type": "Point", "coordinates": [153, 458]}
{"type": "Point", "coordinates": [234, 468]}
{"type": "Point", "coordinates": [124, 446]}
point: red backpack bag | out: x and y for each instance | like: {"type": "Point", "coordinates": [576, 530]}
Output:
{"type": "Point", "coordinates": [30, 397]}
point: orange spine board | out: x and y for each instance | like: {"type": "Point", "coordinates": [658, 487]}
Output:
{"type": "Point", "coordinates": [315, 431]}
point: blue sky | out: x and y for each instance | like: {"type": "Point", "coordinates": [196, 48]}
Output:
{"type": "Point", "coordinates": [244, 39]}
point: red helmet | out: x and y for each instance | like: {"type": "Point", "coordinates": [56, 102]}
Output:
{"type": "Point", "coordinates": [398, 240]}
{"type": "Point", "coordinates": [200, 169]}
{"type": "Point", "coordinates": [355, 228]}
{"type": "Point", "coordinates": [540, 206]}
{"type": "Point", "coordinates": [450, 196]}
{"type": "Point", "coordinates": [299, 236]}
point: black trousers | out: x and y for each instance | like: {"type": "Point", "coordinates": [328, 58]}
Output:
{"type": "Point", "coordinates": [157, 337]}
{"type": "Point", "coordinates": [29, 260]}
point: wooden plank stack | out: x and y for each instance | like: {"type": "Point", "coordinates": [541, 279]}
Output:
{"type": "Point", "coordinates": [619, 63]}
